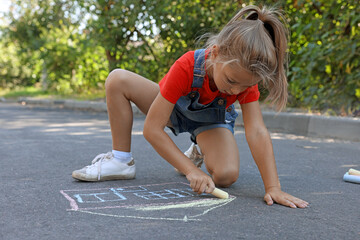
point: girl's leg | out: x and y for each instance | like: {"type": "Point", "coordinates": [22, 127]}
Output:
{"type": "Point", "coordinates": [122, 87]}
{"type": "Point", "coordinates": [221, 155]}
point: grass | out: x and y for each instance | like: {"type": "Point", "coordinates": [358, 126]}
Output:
{"type": "Point", "coordinates": [14, 94]}
{"type": "Point", "coordinates": [23, 92]}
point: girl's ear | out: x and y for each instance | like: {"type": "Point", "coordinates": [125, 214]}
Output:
{"type": "Point", "coordinates": [214, 52]}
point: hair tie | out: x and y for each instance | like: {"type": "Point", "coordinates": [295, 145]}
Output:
{"type": "Point", "coordinates": [270, 30]}
{"type": "Point", "coordinates": [255, 16]}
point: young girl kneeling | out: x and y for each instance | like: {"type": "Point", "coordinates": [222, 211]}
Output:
{"type": "Point", "coordinates": [196, 96]}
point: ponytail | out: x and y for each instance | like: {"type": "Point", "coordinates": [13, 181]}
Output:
{"type": "Point", "coordinates": [257, 40]}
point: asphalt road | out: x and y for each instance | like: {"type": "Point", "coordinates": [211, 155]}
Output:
{"type": "Point", "coordinates": [40, 147]}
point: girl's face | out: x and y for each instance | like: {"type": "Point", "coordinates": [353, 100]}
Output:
{"type": "Point", "coordinates": [230, 80]}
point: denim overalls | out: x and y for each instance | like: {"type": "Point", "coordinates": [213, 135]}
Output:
{"type": "Point", "coordinates": [191, 116]}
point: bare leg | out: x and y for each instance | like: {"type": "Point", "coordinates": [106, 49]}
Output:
{"type": "Point", "coordinates": [221, 155]}
{"type": "Point", "coordinates": [122, 87]}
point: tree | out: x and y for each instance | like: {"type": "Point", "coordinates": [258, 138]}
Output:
{"type": "Point", "coordinates": [325, 54]}
{"type": "Point", "coordinates": [74, 44]}
{"type": "Point", "coordinates": [51, 47]}
{"type": "Point", "coordinates": [123, 28]}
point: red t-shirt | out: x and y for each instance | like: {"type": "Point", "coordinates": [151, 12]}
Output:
{"type": "Point", "coordinates": [177, 82]}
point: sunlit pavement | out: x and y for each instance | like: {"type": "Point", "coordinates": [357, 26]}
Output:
{"type": "Point", "coordinates": [40, 147]}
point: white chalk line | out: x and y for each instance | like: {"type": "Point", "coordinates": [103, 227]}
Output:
{"type": "Point", "coordinates": [195, 203]}
{"type": "Point", "coordinates": [229, 200]}
{"type": "Point", "coordinates": [185, 219]}
{"type": "Point", "coordinates": [144, 206]}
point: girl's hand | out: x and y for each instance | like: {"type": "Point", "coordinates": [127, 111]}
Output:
{"type": "Point", "coordinates": [200, 182]}
{"type": "Point", "coordinates": [276, 195]}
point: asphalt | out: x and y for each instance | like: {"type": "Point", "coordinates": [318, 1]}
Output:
{"type": "Point", "coordinates": [305, 124]}
{"type": "Point", "coordinates": [41, 145]}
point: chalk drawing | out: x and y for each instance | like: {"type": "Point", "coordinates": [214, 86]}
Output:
{"type": "Point", "coordinates": [167, 201]}
{"type": "Point", "coordinates": [164, 194]}
{"type": "Point", "coordinates": [100, 197]}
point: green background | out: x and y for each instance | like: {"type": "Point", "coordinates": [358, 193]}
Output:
{"type": "Point", "coordinates": [69, 47]}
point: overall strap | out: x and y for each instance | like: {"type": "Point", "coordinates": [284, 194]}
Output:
{"type": "Point", "coordinates": [199, 71]}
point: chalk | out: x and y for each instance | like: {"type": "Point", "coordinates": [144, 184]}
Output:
{"type": "Point", "coordinates": [220, 193]}
{"type": "Point", "coordinates": [354, 172]}
{"type": "Point", "coordinates": [351, 178]}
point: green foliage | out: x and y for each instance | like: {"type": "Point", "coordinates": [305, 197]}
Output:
{"type": "Point", "coordinates": [45, 45]}
{"type": "Point", "coordinates": [12, 72]}
{"type": "Point", "coordinates": [125, 29]}
{"type": "Point", "coordinates": [325, 57]}
{"type": "Point", "coordinates": [70, 46]}
{"type": "Point", "coordinates": [73, 63]}
{"type": "Point", "coordinates": [182, 23]}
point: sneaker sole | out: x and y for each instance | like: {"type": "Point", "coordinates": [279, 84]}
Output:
{"type": "Point", "coordinates": [82, 177]}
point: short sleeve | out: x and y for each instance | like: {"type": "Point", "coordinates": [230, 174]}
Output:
{"type": "Point", "coordinates": [177, 82]}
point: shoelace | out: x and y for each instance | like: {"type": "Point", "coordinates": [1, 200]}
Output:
{"type": "Point", "coordinates": [99, 159]}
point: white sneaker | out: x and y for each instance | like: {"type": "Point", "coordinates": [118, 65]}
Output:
{"type": "Point", "coordinates": [104, 167]}
{"type": "Point", "coordinates": [195, 156]}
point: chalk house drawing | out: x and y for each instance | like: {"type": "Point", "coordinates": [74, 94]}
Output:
{"type": "Point", "coordinates": [167, 201]}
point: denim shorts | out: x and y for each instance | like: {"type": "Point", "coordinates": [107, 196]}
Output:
{"type": "Point", "coordinates": [229, 124]}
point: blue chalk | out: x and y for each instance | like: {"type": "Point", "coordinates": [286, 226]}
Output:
{"type": "Point", "coordinates": [351, 178]}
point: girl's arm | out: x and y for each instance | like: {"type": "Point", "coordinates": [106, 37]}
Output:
{"type": "Point", "coordinates": [155, 122]}
{"type": "Point", "coordinates": [261, 149]}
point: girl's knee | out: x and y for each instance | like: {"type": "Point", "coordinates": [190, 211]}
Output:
{"type": "Point", "coordinates": [225, 177]}
{"type": "Point", "coordinates": [116, 77]}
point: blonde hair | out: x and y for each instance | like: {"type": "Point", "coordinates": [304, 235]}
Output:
{"type": "Point", "coordinates": [256, 40]}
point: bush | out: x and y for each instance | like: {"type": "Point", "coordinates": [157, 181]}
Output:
{"type": "Point", "coordinates": [325, 62]}
{"type": "Point", "coordinates": [47, 46]}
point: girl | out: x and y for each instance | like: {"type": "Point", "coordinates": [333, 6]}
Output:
{"type": "Point", "coordinates": [196, 96]}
